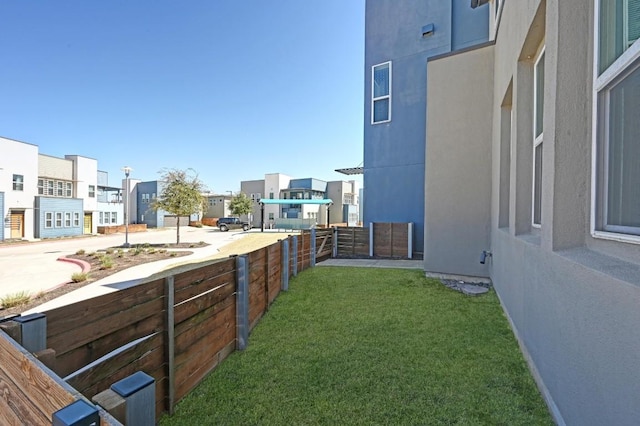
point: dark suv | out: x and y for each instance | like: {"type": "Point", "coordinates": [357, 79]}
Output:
{"type": "Point", "coordinates": [226, 223]}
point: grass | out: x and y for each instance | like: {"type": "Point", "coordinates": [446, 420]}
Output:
{"type": "Point", "coordinates": [15, 299]}
{"type": "Point", "coordinates": [363, 346]}
{"type": "Point", "coordinates": [79, 277]}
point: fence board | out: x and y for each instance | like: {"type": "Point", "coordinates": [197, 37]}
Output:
{"type": "Point", "coordinates": [186, 310]}
{"type": "Point", "coordinates": [45, 395]}
{"type": "Point", "coordinates": [68, 362]}
{"type": "Point", "coordinates": [190, 331]}
{"type": "Point", "coordinates": [146, 356]}
{"type": "Point", "coordinates": [191, 283]}
{"type": "Point", "coordinates": [85, 333]}
{"type": "Point", "coordinates": [62, 319]}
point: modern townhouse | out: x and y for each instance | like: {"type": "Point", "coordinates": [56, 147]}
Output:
{"type": "Point", "coordinates": [46, 197]}
{"type": "Point", "coordinates": [277, 186]}
{"type": "Point", "coordinates": [532, 157]}
{"type": "Point", "coordinates": [400, 36]}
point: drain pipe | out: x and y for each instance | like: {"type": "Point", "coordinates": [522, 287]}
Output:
{"type": "Point", "coordinates": [484, 255]}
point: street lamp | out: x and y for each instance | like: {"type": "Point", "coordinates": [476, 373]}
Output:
{"type": "Point", "coordinates": [127, 170]}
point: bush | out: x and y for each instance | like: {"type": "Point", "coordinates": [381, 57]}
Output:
{"type": "Point", "coordinates": [80, 252]}
{"type": "Point", "coordinates": [16, 299]}
{"type": "Point", "coordinates": [79, 277]}
{"type": "Point", "coordinates": [109, 250]}
{"type": "Point", "coordinates": [106, 262]}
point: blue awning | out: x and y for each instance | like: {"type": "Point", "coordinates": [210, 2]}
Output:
{"type": "Point", "coordinates": [294, 201]}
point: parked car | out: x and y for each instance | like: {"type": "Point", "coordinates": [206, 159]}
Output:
{"type": "Point", "coordinates": [226, 223]}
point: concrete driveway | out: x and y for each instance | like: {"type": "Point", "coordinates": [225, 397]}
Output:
{"type": "Point", "coordinates": [34, 266]}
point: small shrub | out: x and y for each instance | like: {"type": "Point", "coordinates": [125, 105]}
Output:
{"type": "Point", "coordinates": [109, 250]}
{"type": "Point", "coordinates": [106, 262]}
{"type": "Point", "coordinates": [162, 251]}
{"type": "Point", "coordinates": [151, 251]}
{"type": "Point", "coordinates": [92, 254]}
{"type": "Point", "coordinates": [173, 254]}
{"type": "Point", "coordinates": [16, 299]}
{"type": "Point", "coordinates": [79, 277]}
{"type": "Point", "coordinates": [80, 252]}
{"type": "Point", "coordinates": [146, 245]}
{"type": "Point", "coordinates": [201, 243]}
{"type": "Point", "coordinates": [136, 251]}
{"type": "Point", "coordinates": [192, 245]}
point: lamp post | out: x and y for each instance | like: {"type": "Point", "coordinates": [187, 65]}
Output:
{"type": "Point", "coordinates": [127, 170]}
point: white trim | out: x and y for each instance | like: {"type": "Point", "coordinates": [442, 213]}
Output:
{"type": "Point", "coordinates": [537, 139]}
{"type": "Point", "coordinates": [612, 236]}
{"type": "Point", "coordinates": [496, 18]}
{"type": "Point", "coordinates": [379, 98]}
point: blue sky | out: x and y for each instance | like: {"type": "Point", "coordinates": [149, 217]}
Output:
{"type": "Point", "coordinates": [231, 89]}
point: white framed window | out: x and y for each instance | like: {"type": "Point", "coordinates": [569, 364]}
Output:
{"type": "Point", "coordinates": [48, 220]}
{"type": "Point", "coordinates": [114, 217]}
{"type": "Point", "coordinates": [59, 189]}
{"type": "Point", "coordinates": [76, 219]}
{"type": "Point", "coordinates": [68, 189]}
{"type": "Point", "coordinates": [40, 186]}
{"type": "Point", "coordinates": [107, 218]}
{"type": "Point", "coordinates": [615, 212]}
{"type": "Point", "coordinates": [67, 220]}
{"type": "Point", "coordinates": [101, 218]}
{"type": "Point", "coordinates": [381, 93]}
{"type": "Point", "coordinates": [18, 182]}
{"type": "Point", "coordinates": [50, 188]}
{"type": "Point", "coordinates": [58, 219]}
{"type": "Point", "coordinates": [92, 191]}
{"type": "Point", "coordinates": [538, 136]}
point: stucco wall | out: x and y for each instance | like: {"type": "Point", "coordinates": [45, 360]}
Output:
{"type": "Point", "coordinates": [572, 299]}
{"type": "Point", "coordinates": [458, 162]}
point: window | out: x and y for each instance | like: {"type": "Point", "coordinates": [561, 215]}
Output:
{"type": "Point", "coordinates": [67, 220]}
{"type": "Point", "coordinates": [18, 182]}
{"type": "Point", "coordinates": [58, 219]}
{"type": "Point", "coordinates": [92, 191]}
{"type": "Point", "coordinates": [59, 189]}
{"type": "Point", "coordinates": [101, 219]}
{"type": "Point", "coordinates": [381, 93]}
{"type": "Point", "coordinates": [69, 188]}
{"type": "Point", "coordinates": [617, 138]}
{"type": "Point", "coordinates": [271, 195]}
{"type": "Point", "coordinates": [107, 218]}
{"type": "Point", "coordinates": [76, 219]}
{"type": "Point", "coordinates": [114, 217]}
{"type": "Point", "coordinates": [48, 220]}
{"type": "Point", "coordinates": [270, 216]}
{"type": "Point", "coordinates": [50, 188]}
{"type": "Point", "coordinates": [538, 112]}
{"type": "Point", "coordinates": [40, 186]}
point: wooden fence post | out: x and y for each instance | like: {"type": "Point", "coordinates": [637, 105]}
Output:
{"type": "Point", "coordinates": [76, 413]}
{"type": "Point", "coordinates": [170, 347]}
{"type": "Point", "coordinates": [242, 301]}
{"type": "Point", "coordinates": [312, 261]}
{"type": "Point", "coordinates": [284, 285]}
{"type": "Point", "coordinates": [295, 256]}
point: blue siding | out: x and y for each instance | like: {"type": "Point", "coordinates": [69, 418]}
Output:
{"type": "Point", "coordinates": [145, 213]}
{"type": "Point", "coordinates": [308, 183]}
{"type": "Point", "coordinates": [2, 212]}
{"type": "Point", "coordinates": [44, 205]}
{"type": "Point", "coordinates": [394, 152]}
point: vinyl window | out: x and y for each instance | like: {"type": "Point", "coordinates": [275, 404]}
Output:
{"type": "Point", "coordinates": [18, 182]}
{"type": "Point", "coordinates": [58, 219]}
{"type": "Point", "coordinates": [76, 219]}
{"type": "Point", "coordinates": [48, 220]}
{"type": "Point", "coordinates": [381, 93]}
{"type": "Point", "coordinates": [67, 220]}
{"type": "Point", "coordinates": [616, 209]}
{"type": "Point", "coordinates": [92, 191]}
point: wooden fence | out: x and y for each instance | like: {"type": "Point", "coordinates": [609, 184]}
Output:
{"type": "Point", "coordinates": [176, 328]}
{"type": "Point", "coordinates": [380, 240]}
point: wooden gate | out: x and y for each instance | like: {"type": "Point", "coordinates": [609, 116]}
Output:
{"type": "Point", "coordinates": [17, 224]}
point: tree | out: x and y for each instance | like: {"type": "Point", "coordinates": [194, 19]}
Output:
{"type": "Point", "coordinates": [181, 194]}
{"type": "Point", "coordinates": [240, 204]}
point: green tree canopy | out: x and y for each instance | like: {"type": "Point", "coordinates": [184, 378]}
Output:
{"type": "Point", "coordinates": [181, 194]}
{"type": "Point", "coordinates": [240, 204]}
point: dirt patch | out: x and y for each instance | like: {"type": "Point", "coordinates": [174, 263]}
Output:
{"type": "Point", "coordinates": [107, 262]}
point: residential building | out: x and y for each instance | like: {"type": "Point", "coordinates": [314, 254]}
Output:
{"type": "Point", "coordinates": [109, 202]}
{"type": "Point", "coordinates": [532, 154]}
{"type": "Point", "coordinates": [217, 205]}
{"type": "Point", "coordinates": [42, 196]}
{"type": "Point", "coordinates": [399, 38]}
{"type": "Point", "coordinates": [345, 207]}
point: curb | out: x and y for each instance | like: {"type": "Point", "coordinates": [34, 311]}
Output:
{"type": "Point", "coordinates": [85, 266]}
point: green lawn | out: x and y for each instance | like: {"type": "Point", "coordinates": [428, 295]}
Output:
{"type": "Point", "coordinates": [365, 346]}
